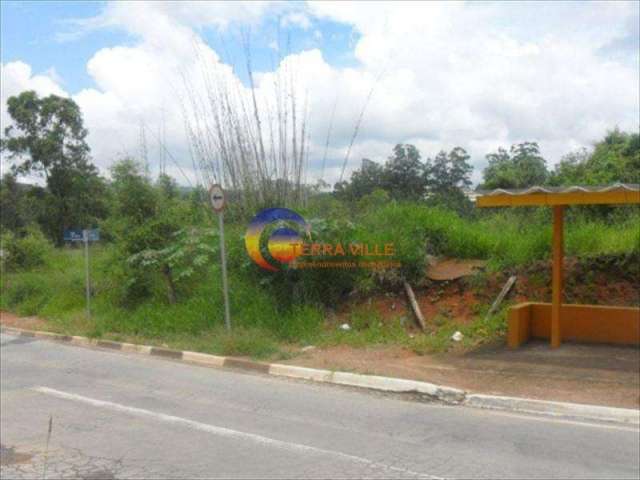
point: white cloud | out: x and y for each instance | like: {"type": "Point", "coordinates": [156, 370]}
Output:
{"type": "Point", "coordinates": [443, 74]}
{"type": "Point", "coordinates": [296, 19]}
{"type": "Point", "coordinates": [17, 77]}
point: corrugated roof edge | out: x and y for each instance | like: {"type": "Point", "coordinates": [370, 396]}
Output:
{"type": "Point", "coordinates": [629, 187]}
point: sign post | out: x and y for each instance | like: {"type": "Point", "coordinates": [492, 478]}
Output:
{"type": "Point", "coordinates": [217, 199]}
{"type": "Point", "coordinates": [85, 237]}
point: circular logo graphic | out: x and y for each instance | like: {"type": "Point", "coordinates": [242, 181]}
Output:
{"type": "Point", "coordinates": [284, 243]}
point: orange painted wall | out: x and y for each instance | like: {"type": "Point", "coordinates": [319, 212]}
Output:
{"type": "Point", "coordinates": [581, 323]}
{"type": "Point", "coordinates": [519, 322]}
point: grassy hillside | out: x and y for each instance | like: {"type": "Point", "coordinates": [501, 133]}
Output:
{"type": "Point", "coordinates": [273, 310]}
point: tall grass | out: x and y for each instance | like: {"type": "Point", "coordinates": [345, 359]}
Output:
{"type": "Point", "coordinates": [505, 239]}
{"type": "Point", "coordinates": [268, 309]}
{"type": "Point", "coordinates": [56, 292]}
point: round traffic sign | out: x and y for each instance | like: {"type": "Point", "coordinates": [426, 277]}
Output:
{"type": "Point", "coordinates": [216, 197]}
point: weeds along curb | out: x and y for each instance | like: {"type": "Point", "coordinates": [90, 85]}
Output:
{"type": "Point", "coordinates": [385, 384]}
{"type": "Point", "coordinates": [447, 395]}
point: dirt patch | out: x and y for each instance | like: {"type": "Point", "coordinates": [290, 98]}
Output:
{"type": "Point", "coordinates": [590, 374]}
{"type": "Point", "coordinates": [29, 323]}
{"type": "Point", "coordinates": [452, 300]}
{"type": "Point", "coordinates": [462, 299]}
{"type": "Point", "coordinates": [606, 280]}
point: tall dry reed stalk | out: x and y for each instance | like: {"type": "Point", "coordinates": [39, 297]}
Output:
{"type": "Point", "coordinates": [254, 141]}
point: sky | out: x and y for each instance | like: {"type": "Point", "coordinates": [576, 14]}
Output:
{"type": "Point", "coordinates": [479, 75]}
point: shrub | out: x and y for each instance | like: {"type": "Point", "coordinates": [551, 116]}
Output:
{"type": "Point", "coordinates": [26, 294]}
{"type": "Point", "coordinates": [25, 252]}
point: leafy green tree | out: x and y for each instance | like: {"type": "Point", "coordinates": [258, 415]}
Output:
{"type": "Point", "coordinates": [47, 137]}
{"type": "Point", "coordinates": [22, 205]}
{"type": "Point", "coordinates": [449, 171]}
{"type": "Point", "coordinates": [530, 164]}
{"type": "Point", "coordinates": [186, 252]}
{"type": "Point", "coordinates": [152, 235]}
{"type": "Point", "coordinates": [11, 198]}
{"type": "Point", "coordinates": [523, 166]}
{"type": "Point", "coordinates": [500, 171]}
{"type": "Point", "coordinates": [364, 181]}
{"type": "Point", "coordinates": [616, 158]}
{"type": "Point", "coordinates": [167, 186]}
{"type": "Point", "coordinates": [447, 175]}
{"type": "Point", "coordinates": [572, 169]}
{"type": "Point", "coordinates": [403, 175]}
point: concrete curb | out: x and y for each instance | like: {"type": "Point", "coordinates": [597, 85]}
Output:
{"type": "Point", "coordinates": [557, 409]}
{"type": "Point", "coordinates": [447, 395]}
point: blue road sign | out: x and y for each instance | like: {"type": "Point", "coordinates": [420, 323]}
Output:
{"type": "Point", "coordinates": [77, 235]}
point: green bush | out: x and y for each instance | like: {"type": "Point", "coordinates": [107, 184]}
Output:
{"type": "Point", "coordinates": [26, 293]}
{"type": "Point", "coordinates": [25, 252]}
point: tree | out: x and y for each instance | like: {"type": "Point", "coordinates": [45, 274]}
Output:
{"type": "Point", "coordinates": [530, 165]}
{"type": "Point", "coordinates": [152, 235]}
{"type": "Point", "coordinates": [47, 137]}
{"type": "Point", "coordinates": [364, 181]}
{"type": "Point", "coordinates": [403, 174]}
{"type": "Point", "coordinates": [523, 166]}
{"type": "Point", "coordinates": [449, 171]}
{"type": "Point", "coordinates": [11, 196]}
{"type": "Point", "coordinates": [500, 171]}
{"type": "Point", "coordinates": [447, 175]}
{"type": "Point", "coordinates": [616, 158]}
{"type": "Point", "coordinates": [167, 185]}
{"type": "Point", "coordinates": [572, 169]}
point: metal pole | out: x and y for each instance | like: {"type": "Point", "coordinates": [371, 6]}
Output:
{"type": "Point", "coordinates": [85, 235]}
{"type": "Point", "coordinates": [223, 258]}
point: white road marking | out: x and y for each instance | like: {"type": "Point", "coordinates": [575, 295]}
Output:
{"type": "Point", "coordinates": [224, 432]}
{"type": "Point", "coordinates": [533, 416]}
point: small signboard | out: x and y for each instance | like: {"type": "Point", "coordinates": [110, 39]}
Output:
{"type": "Point", "coordinates": [78, 235]}
{"type": "Point", "coordinates": [216, 197]}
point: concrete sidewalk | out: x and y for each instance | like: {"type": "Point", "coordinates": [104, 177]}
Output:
{"type": "Point", "coordinates": [587, 374]}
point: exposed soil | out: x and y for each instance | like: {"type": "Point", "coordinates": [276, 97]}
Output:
{"type": "Point", "coordinates": [590, 374]}
{"type": "Point", "coordinates": [29, 323]}
{"type": "Point", "coordinates": [449, 299]}
{"type": "Point", "coordinates": [461, 299]}
{"type": "Point", "coordinates": [593, 374]}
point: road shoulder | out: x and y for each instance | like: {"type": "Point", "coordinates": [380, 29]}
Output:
{"type": "Point", "coordinates": [419, 389]}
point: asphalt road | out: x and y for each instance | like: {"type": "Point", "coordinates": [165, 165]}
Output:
{"type": "Point", "coordinates": [117, 415]}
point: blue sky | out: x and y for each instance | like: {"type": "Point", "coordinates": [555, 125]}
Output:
{"type": "Point", "coordinates": [31, 31]}
{"type": "Point", "coordinates": [479, 75]}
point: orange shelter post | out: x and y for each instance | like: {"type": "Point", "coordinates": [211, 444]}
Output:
{"type": "Point", "coordinates": [582, 322]}
{"type": "Point", "coordinates": [557, 275]}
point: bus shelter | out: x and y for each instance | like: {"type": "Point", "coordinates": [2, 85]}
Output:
{"type": "Point", "coordinates": [558, 321]}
